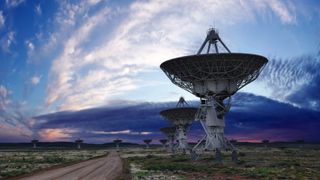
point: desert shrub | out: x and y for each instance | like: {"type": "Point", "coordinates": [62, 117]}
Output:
{"type": "Point", "coordinates": [141, 174]}
{"type": "Point", "coordinates": [282, 148]}
{"type": "Point", "coordinates": [260, 172]}
{"type": "Point", "coordinates": [241, 162]}
{"type": "Point", "coordinates": [230, 170]}
{"type": "Point", "coordinates": [126, 170]}
{"type": "Point", "coordinates": [180, 159]}
{"type": "Point", "coordinates": [149, 156]}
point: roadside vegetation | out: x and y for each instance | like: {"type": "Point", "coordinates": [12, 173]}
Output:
{"type": "Point", "coordinates": [18, 162]}
{"type": "Point", "coordinates": [254, 163]}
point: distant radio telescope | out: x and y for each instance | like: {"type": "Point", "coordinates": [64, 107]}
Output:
{"type": "Point", "coordinates": [34, 142]}
{"type": "Point", "coordinates": [213, 76]}
{"type": "Point", "coordinates": [163, 142]}
{"type": "Point", "coordinates": [117, 142]}
{"type": "Point", "coordinates": [170, 133]}
{"type": "Point", "coordinates": [181, 117]}
{"type": "Point", "coordinates": [147, 142]}
{"type": "Point", "coordinates": [79, 142]}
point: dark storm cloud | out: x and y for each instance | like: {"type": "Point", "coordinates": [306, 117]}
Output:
{"type": "Point", "coordinates": [108, 122]}
{"type": "Point", "coordinates": [295, 80]}
{"type": "Point", "coordinates": [265, 118]}
{"type": "Point", "coordinates": [308, 96]}
{"type": "Point", "coordinates": [251, 116]}
{"type": "Point", "coordinates": [141, 117]}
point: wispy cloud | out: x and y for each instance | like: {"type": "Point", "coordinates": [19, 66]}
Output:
{"type": "Point", "coordinates": [285, 12]}
{"type": "Point", "coordinates": [35, 80]}
{"type": "Point", "coordinates": [14, 3]}
{"type": "Point", "coordinates": [6, 41]}
{"type": "Point", "coordinates": [30, 45]}
{"type": "Point", "coordinates": [2, 19]}
{"type": "Point", "coordinates": [12, 116]}
{"type": "Point", "coordinates": [294, 80]}
{"type": "Point", "coordinates": [66, 66]}
{"type": "Point", "coordinates": [38, 9]}
{"type": "Point", "coordinates": [125, 132]}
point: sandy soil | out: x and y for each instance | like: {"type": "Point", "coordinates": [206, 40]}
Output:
{"type": "Point", "coordinates": [109, 167]}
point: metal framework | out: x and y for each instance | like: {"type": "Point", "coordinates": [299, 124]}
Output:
{"type": "Point", "coordinates": [170, 133]}
{"type": "Point", "coordinates": [214, 77]}
{"type": "Point", "coordinates": [212, 39]}
{"type": "Point", "coordinates": [181, 117]}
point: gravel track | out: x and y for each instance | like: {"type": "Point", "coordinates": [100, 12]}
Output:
{"type": "Point", "coordinates": [109, 167]}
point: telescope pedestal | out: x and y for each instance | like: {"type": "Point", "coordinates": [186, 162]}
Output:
{"type": "Point", "coordinates": [171, 143]}
{"type": "Point", "coordinates": [211, 116]}
{"type": "Point", "coordinates": [182, 145]}
{"type": "Point", "coordinates": [215, 139]}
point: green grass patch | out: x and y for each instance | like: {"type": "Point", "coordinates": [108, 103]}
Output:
{"type": "Point", "coordinates": [187, 167]}
{"type": "Point", "coordinates": [142, 174]}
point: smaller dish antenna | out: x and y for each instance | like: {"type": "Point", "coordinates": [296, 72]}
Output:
{"type": "Point", "coordinates": [79, 142]}
{"type": "Point", "coordinates": [181, 117]}
{"type": "Point", "coordinates": [170, 133]}
{"type": "Point", "coordinates": [147, 142]}
{"type": "Point", "coordinates": [34, 142]}
{"type": "Point", "coordinates": [117, 142]}
{"type": "Point", "coordinates": [163, 142]}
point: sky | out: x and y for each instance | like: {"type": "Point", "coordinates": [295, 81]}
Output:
{"type": "Point", "coordinates": [90, 68]}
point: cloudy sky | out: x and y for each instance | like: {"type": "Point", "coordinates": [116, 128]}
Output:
{"type": "Point", "coordinates": [90, 68]}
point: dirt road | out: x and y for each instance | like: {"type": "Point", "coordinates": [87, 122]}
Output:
{"type": "Point", "coordinates": [109, 167]}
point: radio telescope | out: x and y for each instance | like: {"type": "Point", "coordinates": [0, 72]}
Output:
{"type": "Point", "coordinates": [117, 142]}
{"type": "Point", "coordinates": [163, 142]}
{"type": "Point", "coordinates": [34, 142]}
{"type": "Point", "coordinates": [181, 117]}
{"type": "Point", "coordinates": [213, 76]}
{"type": "Point", "coordinates": [170, 133]}
{"type": "Point", "coordinates": [147, 141]}
{"type": "Point", "coordinates": [78, 142]}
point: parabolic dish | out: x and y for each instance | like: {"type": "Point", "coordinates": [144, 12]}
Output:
{"type": "Point", "coordinates": [183, 115]}
{"type": "Point", "coordinates": [214, 74]}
